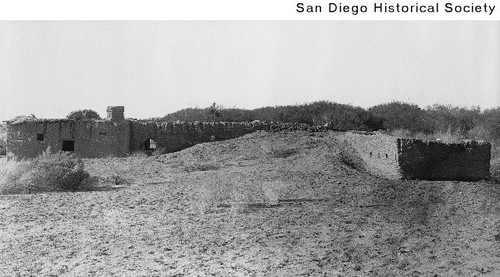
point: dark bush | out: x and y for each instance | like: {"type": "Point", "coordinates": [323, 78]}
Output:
{"type": "Point", "coordinates": [394, 117]}
{"type": "Point", "coordinates": [342, 116]}
{"type": "Point", "coordinates": [399, 115]}
{"type": "Point", "coordinates": [338, 116]}
{"type": "Point", "coordinates": [457, 120]}
{"type": "Point", "coordinates": [83, 114]}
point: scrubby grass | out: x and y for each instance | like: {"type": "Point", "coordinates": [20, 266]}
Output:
{"type": "Point", "coordinates": [495, 168]}
{"type": "Point", "coordinates": [201, 166]}
{"type": "Point", "coordinates": [277, 149]}
{"type": "Point", "coordinates": [219, 191]}
{"type": "Point", "coordinates": [47, 172]}
{"type": "Point", "coordinates": [495, 162]}
{"type": "Point", "coordinates": [108, 172]}
{"type": "Point", "coordinates": [281, 153]}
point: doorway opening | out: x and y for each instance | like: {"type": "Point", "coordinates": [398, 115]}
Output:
{"type": "Point", "coordinates": [150, 144]}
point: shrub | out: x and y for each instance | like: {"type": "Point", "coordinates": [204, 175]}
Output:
{"type": "Point", "coordinates": [456, 119]}
{"type": "Point", "coordinates": [214, 112]}
{"type": "Point", "coordinates": [12, 175]}
{"type": "Point", "coordinates": [399, 115]}
{"type": "Point", "coordinates": [47, 172]}
{"type": "Point", "coordinates": [83, 114]}
{"type": "Point", "coordinates": [339, 116]}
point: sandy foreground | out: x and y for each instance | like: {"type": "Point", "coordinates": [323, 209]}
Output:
{"type": "Point", "coordinates": [284, 204]}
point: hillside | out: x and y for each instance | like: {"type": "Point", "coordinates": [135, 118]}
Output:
{"type": "Point", "coordinates": [265, 204]}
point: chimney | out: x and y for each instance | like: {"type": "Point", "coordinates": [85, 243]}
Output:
{"type": "Point", "coordinates": [115, 113]}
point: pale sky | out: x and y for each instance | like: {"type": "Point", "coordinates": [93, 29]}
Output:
{"type": "Point", "coordinates": [153, 68]}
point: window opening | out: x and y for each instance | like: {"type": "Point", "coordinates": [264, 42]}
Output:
{"type": "Point", "coordinates": [68, 145]}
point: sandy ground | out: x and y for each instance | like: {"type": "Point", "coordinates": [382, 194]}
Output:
{"type": "Point", "coordinates": [260, 205]}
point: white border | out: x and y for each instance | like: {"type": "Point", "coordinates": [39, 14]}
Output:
{"type": "Point", "coordinates": [220, 10]}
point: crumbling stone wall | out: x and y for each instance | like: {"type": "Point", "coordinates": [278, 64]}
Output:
{"type": "Point", "coordinates": [398, 158]}
{"type": "Point", "coordinates": [92, 138]}
{"type": "Point", "coordinates": [467, 160]}
{"type": "Point", "coordinates": [116, 136]}
{"type": "Point", "coordinates": [379, 152]}
{"type": "Point", "coordinates": [171, 137]}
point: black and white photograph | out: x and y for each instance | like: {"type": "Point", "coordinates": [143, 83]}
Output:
{"type": "Point", "coordinates": [249, 148]}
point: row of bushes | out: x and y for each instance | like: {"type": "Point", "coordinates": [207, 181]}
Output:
{"type": "Point", "coordinates": [463, 122]}
{"type": "Point", "coordinates": [317, 113]}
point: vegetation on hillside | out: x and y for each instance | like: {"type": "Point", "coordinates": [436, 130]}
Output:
{"type": "Point", "coordinates": [410, 119]}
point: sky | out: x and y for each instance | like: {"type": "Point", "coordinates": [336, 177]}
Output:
{"type": "Point", "coordinates": [50, 68]}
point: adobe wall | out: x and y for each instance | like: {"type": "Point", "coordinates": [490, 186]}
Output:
{"type": "Point", "coordinates": [171, 137]}
{"type": "Point", "coordinates": [468, 160]}
{"type": "Point", "coordinates": [92, 138]}
{"type": "Point", "coordinates": [379, 152]}
{"type": "Point", "coordinates": [397, 158]}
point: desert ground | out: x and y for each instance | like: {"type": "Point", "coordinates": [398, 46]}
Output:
{"type": "Point", "coordinates": [265, 204]}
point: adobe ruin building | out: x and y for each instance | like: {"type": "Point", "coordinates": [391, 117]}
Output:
{"type": "Point", "coordinates": [383, 155]}
{"type": "Point", "coordinates": [114, 136]}
{"type": "Point", "coordinates": [401, 158]}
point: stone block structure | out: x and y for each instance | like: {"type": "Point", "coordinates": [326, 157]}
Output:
{"type": "Point", "coordinates": [400, 158]}
{"type": "Point", "coordinates": [379, 153]}
{"type": "Point", "coordinates": [115, 136]}
{"type": "Point", "coordinates": [383, 155]}
{"type": "Point", "coordinates": [171, 137]}
{"type": "Point", "coordinates": [87, 138]}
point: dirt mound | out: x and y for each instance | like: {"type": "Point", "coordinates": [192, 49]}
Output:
{"type": "Point", "coordinates": [282, 204]}
{"type": "Point", "coordinates": [418, 227]}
